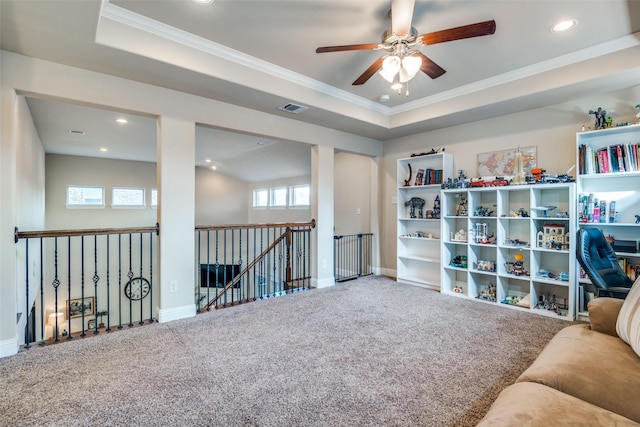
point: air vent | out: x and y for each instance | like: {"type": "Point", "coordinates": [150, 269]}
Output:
{"type": "Point", "coordinates": [293, 108]}
{"type": "Point", "coordinates": [76, 132]}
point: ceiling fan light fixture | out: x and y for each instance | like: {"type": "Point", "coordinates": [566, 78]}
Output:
{"type": "Point", "coordinates": [412, 65]}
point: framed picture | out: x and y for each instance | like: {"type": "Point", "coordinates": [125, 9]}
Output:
{"type": "Point", "coordinates": [500, 163]}
{"type": "Point", "coordinates": [91, 324]}
{"type": "Point", "coordinates": [78, 306]}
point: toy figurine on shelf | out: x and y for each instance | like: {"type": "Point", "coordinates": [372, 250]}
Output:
{"type": "Point", "coordinates": [415, 202]}
{"type": "Point", "coordinates": [461, 207]}
{"type": "Point", "coordinates": [436, 207]}
{"type": "Point", "coordinates": [519, 178]}
{"type": "Point", "coordinates": [517, 267]}
{"type": "Point", "coordinates": [600, 116]}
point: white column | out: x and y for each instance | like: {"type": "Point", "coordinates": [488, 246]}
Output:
{"type": "Point", "coordinates": [8, 276]}
{"type": "Point", "coordinates": [176, 216]}
{"type": "Point", "coordinates": [322, 161]}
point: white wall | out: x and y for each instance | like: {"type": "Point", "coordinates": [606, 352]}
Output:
{"type": "Point", "coordinates": [220, 199]}
{"type": "Point", "coordinates": [551, 129]}
{"type": "Point", "coordinates": [352, 193]}
{"type": "Point", "coordinates": [65, 170]}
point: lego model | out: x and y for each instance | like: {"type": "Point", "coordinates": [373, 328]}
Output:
{"type": "Point", "coordinates": [488, 293]}
{"type": "Point", "coordinates": [415, 202]}
{"type": "Point", "coordinates": [516, 267]}
{"type": "Point", "coordinates": [459, 261]}
{"type": "Point", "coordinates": [553, 236]}
{"type": "Point", "coordinates": [459, 236]}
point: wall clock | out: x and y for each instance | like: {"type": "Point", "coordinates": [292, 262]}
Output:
{"type": "Point", "coordinates": [137, 288]}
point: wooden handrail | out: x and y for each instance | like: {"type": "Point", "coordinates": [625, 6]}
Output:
{"type": "Point", "coordinates": [83, 232]}
{"type": "Point", "coordinates": [311, 224]}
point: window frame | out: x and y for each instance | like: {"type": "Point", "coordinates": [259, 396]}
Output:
{"type": "Point", "coordinates": [255, 198]}
{"type": "Point", "coordinates": [292, 196]}
{"type": "Point", "coordinates": [142, 198]}
{"type": "Point", "coordinates": [70, 205]}
{"type": "Point", "coordinates": [272, 196]}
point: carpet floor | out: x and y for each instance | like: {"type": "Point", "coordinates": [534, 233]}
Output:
{"type": "Point", "coordinates": [369, 352]}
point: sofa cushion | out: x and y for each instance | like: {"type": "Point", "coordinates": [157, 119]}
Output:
{"type": "Point", "coordinates": [628, 324]}
{"type": "Point", "coordinates": [603, 314]}
{"type": "Point", "coordinates": [532, 404]}
{"type": "Point", "coordinates": [594, 367]}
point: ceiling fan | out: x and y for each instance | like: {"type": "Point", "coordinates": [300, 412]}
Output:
{"type": "Point", "coordinates": [402, 59]}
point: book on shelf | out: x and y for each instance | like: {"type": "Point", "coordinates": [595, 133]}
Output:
{"type": "Point", "coordinates": [419, 177]}
{"type": "Point", "coordinates": [609, 159]}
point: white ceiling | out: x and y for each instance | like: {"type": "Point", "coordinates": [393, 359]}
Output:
{"type": "Point", "coordinates": [261, 55]}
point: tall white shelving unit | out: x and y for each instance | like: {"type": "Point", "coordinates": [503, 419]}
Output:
{"type": "Point", "coordinates": [486, 265]}
{"type": "Point", "coordinates": [418, 250]}
{"type": "Point", "coordinates": [599, 182]}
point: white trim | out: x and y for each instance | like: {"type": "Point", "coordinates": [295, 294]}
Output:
{"type": "Point", "coordinates": [9, 347]}
{"type": "Point", "coordinates": [176, 313]}
{"type": "Point", "coordinates": [323, 283]}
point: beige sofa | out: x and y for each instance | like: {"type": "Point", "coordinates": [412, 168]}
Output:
{"type": "Point", "coordinates": [588, 375]}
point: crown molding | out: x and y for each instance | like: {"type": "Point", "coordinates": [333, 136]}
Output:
{"type": "Point", "coordinates": [184, 38]}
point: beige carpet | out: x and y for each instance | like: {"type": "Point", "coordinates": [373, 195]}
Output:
{"type": "Point", "coordinates": [369, 352]}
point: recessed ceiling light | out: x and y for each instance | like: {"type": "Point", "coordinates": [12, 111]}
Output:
{"type": "Point", "coordinates": [76, 132]}
{"type": "Point", "coordinates": [564, 25]}
{"type": "Point", "coordinates": [104, 150]}
{"type": "Point", "coordinates": [208, 160]}
{"type": "Point", "coordinates": [260, 142]}
{"type": "Point", "coordinates": [122, 121]}
{"type": "Point", "coordinates": [384, 97]}
{"type": "Point", "coordinates": [202, 1]}
{"type": "Point", "coordinates": [213, 167]}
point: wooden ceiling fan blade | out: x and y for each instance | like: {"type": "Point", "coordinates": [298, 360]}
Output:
{"type": "Point", "coordinates": [347, 47]}
{"type": "Point", "coordinates": [401, 16]}
{"type": "Point", "coordinates": [465, 32]}
{"type": "Point", "coordinates": [430, 68]}
{"type": "Point", "coordinates": [374, 68]}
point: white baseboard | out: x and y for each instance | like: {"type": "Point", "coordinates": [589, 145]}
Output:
{"type": "Point", "coordinates": [323, 283]}
{"type": "Point", "coordinates": [175, 313]}
{"type": "Point", "coordinates": [9, 347]}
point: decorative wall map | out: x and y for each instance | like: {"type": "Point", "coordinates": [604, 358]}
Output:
{"type": "Point", "coordinates": [501, 163]}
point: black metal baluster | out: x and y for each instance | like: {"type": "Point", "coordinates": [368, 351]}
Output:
{"type": "Point", "coordinates": [56, 284]}
{"type": "Point", "coordinates": [42, 319]}
{"type": "Point", "coordinates": [217, 265]}
{"type": "Point", "coordinates": [224, 271]}
{"type": "Point", "coordinates": [151, 320]}
{"type": "Point", "coordinates": [95, 279]}
{"type": "Point", "coordinates": [199, 276]}
{"type": "Point", "coordinates": [208, 270]}
{"type": "Point", "coordinates": [27, 343]}
{"type": "Point", "coordinates": [141, 322]}
{"type": "Point", "coordinates": [119, 281]}
{"type": "Point", "coordinates": [108, 329]}
{"type": "Point", "coordinates": [233, 274]}
{"type": "Point", "coordinates": [130, 276]}
{"type": "Point", "coordinates": [68, 314]}
{"type": "Point", "coordinates": [240, 281]}
{"type": "Point", "coordinates": [255, 280]}
{"type": "Point", "coordinates": [82, 334]}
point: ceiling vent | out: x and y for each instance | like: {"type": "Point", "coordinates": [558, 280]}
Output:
{"type": "Point", "coordinates": [293, 108]}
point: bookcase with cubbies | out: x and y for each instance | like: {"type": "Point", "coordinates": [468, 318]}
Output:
{"type": "Point", "coordinates": [608, 197]}
{"type": "Point", "coordinates": [516, 241]}
{"type": "Point", "coordinates": [418, 211]}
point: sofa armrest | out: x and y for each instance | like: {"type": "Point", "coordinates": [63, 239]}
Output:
{"type": "Point", "coordinates": [603, 314]}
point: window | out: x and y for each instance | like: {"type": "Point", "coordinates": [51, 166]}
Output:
{"type": "Point", "coordinates": [299, 195]}
{"type": "Point", "coordinates": [128, 197]}
{"type": "Point", "coordinates": [84, 196]}
{"type": "Point", "coordinates": [260, 198]}
{"type": "Point", "coordinates": [278, 197]}
{"type": "Point", "coordinates": [154, 197]}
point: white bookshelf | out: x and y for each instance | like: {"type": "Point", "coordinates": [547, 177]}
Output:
{"type": "Point", "coordinates": [512, 236]}
{"type": "Point", "coordinates": [623, 187]}
{"type": "Point", "coordinates": [418, 247]}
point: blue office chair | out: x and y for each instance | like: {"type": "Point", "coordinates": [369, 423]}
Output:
{"type": "Point", "coordinates": [599, 261]}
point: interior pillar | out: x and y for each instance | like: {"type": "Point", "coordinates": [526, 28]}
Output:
{"type": "Point", "coordinates": [176, 216]}
{"type": "Point", "coordinates": [9, 343]}
{"type": "Point", "coordinates": [322, 166]}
